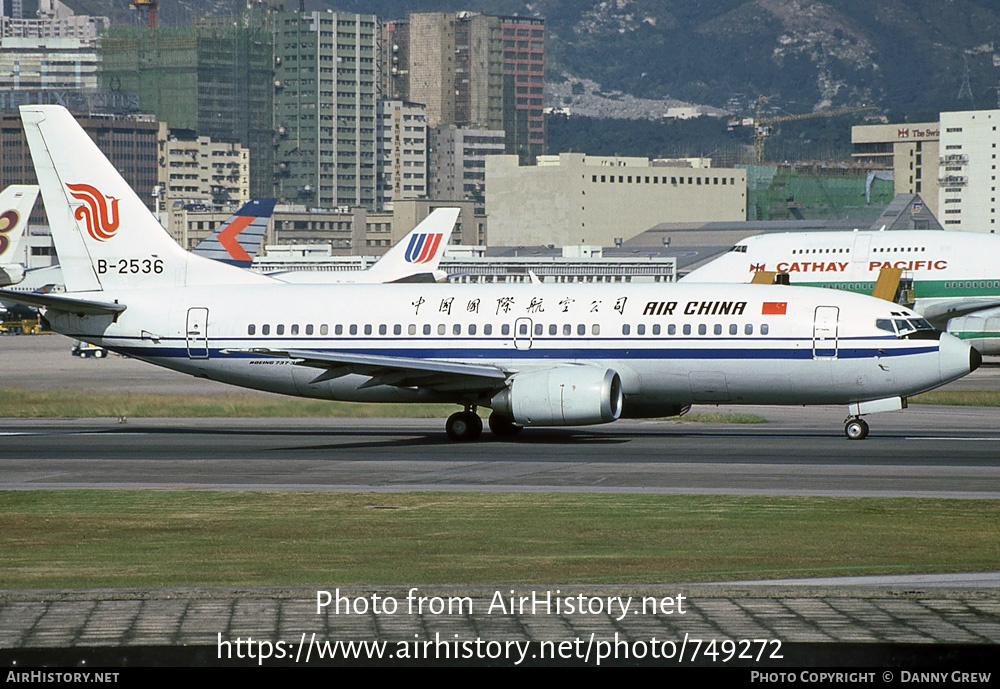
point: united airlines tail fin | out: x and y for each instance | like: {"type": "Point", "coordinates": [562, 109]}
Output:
{"type": "Point", "coordinates": [238, 240]}
{"type": "Point", "coordinates": [419, 252]}
{"type": "Point", "coordinates": [16, 202]}
{"type": "Point", "coordinates": [104, 235]}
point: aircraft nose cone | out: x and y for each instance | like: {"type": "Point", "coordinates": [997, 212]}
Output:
{"type": "Point", "coordinates": [975, 359]}
{"type": "Point", "coordinates": [956, 358]}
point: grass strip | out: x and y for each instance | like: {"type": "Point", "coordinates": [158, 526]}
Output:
{"type": "Point", "coordinates": [69, 403]}
{"type": "Point", "coordinates": [961, 398]}
{"type": "Point", "coordinates": [79, 538]}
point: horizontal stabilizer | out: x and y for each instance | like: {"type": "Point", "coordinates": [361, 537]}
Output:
{"type": "Point", "coordinates": [54, 302]}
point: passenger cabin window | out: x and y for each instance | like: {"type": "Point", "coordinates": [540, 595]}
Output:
{"type": "Point", "coordinates": [251, 329]}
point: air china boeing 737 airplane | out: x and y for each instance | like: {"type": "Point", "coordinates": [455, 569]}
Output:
{"type": "Point", "coordinates": [536, 354]}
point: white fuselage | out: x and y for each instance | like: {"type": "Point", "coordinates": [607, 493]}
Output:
{"type": "Point", "coordinates": [953, 273]}
{"type": "Point", "coordinates": [671, 344]}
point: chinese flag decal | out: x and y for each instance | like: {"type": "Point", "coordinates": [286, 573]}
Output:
{"type": "Point", "coordinates": [774, 308]}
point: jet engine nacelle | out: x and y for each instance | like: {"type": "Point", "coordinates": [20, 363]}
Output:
{"type": "Point", "coordinates": [981, 330]}
{"type": "Point", "coordinates": [562, 396]}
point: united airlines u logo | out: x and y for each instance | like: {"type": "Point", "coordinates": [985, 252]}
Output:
{"type": "Point", "coordinates": [422, 247]}
{"type": "Point", "coordinates": [100, 216]}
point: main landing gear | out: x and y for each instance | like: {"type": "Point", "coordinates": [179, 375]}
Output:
{"type": "Point", "coordinates": [503, 427]}
{"type": "Point", "coordinates": [466, 426]}
{"type": "Point", "coordinates": [856, 428]}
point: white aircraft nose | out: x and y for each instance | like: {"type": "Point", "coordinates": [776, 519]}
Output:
{"type": "Point", "coordinates": [957, 358]}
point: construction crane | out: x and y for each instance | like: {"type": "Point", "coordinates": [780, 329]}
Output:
{"type": "Point", "coordinates": [762, 125]}
{"type": "Point", "coordinates": [150, 7]}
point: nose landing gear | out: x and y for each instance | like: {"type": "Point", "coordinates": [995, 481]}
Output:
{"type": "Point", "coordinates": [856, 428]}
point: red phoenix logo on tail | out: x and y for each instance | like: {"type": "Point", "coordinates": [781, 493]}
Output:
{"type": "Point", "coordinates": [102, 220]}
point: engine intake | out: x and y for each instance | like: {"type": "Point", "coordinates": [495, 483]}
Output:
{"type": "Point", "coordinates": [562, 396]}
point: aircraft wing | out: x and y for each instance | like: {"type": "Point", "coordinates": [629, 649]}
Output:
{"type": "Point", "coordinates": [956, 309]}
{"type": "Point", "coordinates": [56, 302]}
{"type": "Point", "coordinates": [439, 376]}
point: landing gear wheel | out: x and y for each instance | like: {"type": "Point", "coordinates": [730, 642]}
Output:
{"type": "Point", "coordinates": [464, 426]}
{"type": "Point", "coordinates": [503, 427]}
{"type": "Point", "coordinates": [856, 429]}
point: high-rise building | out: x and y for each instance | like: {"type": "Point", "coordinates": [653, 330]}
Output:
{"type": "Point", "coordinates": [967, 196]}
{"type": "Point", "coordinates": [524, 84]}
{"type": "Point", "coordinates": [52, 20]}
{"type": "Point", "coordinates": [326, 88]}
{"type": "Point", "coordinates": [482, 71]}
{"type": "Point", "coordinates": [129, 142]}
{"type": "Point", "coordinates": [909, 149]}
{"type": "Point", "coordinates": [402, 152]}
{"type": "Point", "coordinates": [47, 63]}
{"type": "Point", "coordinates": [202, 172]}
{"type": "Point", "coordinates": [214, 80]}
{"type": "Point", "coordinates": [457, 161]}
{"type": "Point", "coordinates": [394, 60]}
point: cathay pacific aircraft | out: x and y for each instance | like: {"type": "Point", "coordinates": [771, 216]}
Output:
{"type": "Point", "coordinates": [536, 354]}
{"type": "Point", "coordinates": [955, 275]}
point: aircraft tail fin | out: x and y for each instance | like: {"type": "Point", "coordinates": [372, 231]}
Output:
{"type": "Point", "coordinates": [105, 236]}
{"type": "Point", "coordinates": [419, 251]}
{"type": "Point", "coordinates": [238, 240]}
{"type": "Point", "coordinates": [16, 202]}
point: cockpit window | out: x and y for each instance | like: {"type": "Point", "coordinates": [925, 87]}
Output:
{"type": "Point", "coordinates": [909, 328]}
{"type": "Point", "coordinates": [739, 248]}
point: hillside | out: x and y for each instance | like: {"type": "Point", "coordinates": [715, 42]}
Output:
{"type": "Point", "coordinates": [907, 56]}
